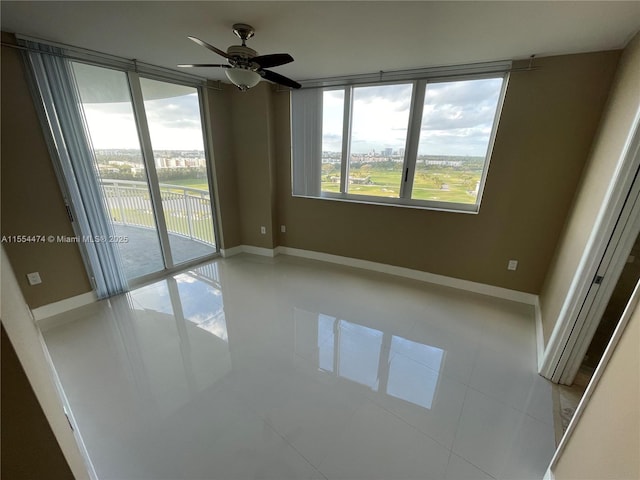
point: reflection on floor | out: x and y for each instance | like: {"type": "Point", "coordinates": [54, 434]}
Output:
{"type": "Point", "coordinates": [285, 368]}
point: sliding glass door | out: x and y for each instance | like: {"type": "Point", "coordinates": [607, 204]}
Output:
{"type": "Point", "coordinates": [175, 128]}
{"type": "Point", "coordinates": [120, 167]}
{"type": "Point", "coordinates": [148, 145]}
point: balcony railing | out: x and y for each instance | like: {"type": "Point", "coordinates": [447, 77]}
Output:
{"type": "Point", "coordinates": [187, 210]}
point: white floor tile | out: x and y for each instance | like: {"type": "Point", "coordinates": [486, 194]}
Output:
{"type": "Point", "coordinates": [506, 376]}
{"type": "Point", "coordinates": [460, 469]}
{"type": "Point", "coordinates": [493, 436]}
{"type": "Point", "coordinates": [250, 450]}
{"type": "Point", "coordinates": [310, 416]}
{"type": "Point", "coordinates": [377, 445]}
{"type": "Point", "coordinates": [435, 416]}
{"type": "Point", "coordinates": [253, 367]}
{"type": "Point", "coordinates": [530, 452]}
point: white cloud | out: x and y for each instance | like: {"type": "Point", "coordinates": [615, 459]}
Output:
{"type": "Point", "coordinates": [457, 117]}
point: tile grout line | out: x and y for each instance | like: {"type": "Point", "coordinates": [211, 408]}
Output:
{"type": "Point", "coordinates": [316, 468]}
{"type": "Point", "coordinates": [266, 421]}
{"type": "Point", "coordinates": [517, 409]}
{"type": "Point", "coordinates": [460, 419]}
{"type": "Point", "coordinates": [406, 422]}
{"type": "Point", "coordinates": [456, 434]}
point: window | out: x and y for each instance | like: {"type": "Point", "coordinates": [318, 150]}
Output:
{"type": "Point", "coordinates": [424, 143]}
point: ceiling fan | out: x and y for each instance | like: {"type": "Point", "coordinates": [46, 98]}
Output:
{"type": "Point", "coordinates": [245, 67]}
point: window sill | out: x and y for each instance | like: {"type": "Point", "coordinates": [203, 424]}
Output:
{"type": "Point", "coordinates": [448, 207]}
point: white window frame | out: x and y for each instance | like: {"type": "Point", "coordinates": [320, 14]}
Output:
{"type": "Point", "coordinates": [306, 129]}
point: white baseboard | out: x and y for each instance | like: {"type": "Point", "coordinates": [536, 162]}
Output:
{"type": "Point", "coordinates": [65, 305]}
{"type": "Point", "coordinates": [539, 335]}
{"type": "Point", "coordinates": [264, 252]}
{"type": "Point", "coordinates": [230, 252]}
{"type": "Point", "coordinates": [62, 306]}
{"type": "Point", "coordinates": [467, 285]}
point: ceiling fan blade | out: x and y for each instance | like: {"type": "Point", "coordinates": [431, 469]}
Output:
{"type": "Point", "coordinates": [273, 60]}
{"type": "Point", "coordinates": [210, 47]}
{"type": "Point", "coordinates": [277, 78]}
{"type": "Point", "coordinates": [189, 65]}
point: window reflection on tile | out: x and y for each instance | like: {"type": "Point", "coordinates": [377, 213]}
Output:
{"type": "Point", "coordinates": [414, 371]}
{"type": "Point", "coordinates": [404, 369]}
{"type": "Point", "coordinates": [181, 334]}
{"type": "Point", "coordinates": [153, 297]}
{"type": "Point", "coordinates": [202, 304]}
{"type": "Point", "coordinates": [411, 381]}
{"type": "Point", "coordinates": [359, 353]}
{"type": "Point", "coordinates": [198, 299]}
{"type": "Point", "coordinates": [326, 342]}
{"type": "Point", "coordinates": [427, 355]}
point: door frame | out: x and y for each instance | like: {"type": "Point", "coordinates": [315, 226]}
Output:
{"type": "Point", "coordinates": [597, 375]}
{"type": "Point", "coordinates": [140, 115]}
{"type": "Point", "coordinates": [586, 298]}
{"type": "Point", "coordinates": [610, 269]}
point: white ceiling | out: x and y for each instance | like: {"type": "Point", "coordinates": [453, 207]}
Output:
{"type": "Point", "coordinates": [331, 38]}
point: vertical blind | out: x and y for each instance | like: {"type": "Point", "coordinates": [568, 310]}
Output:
{"type": "Point", "coordinates": [74, 160]}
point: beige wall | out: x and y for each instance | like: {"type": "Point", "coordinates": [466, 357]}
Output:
{"type": "Point", "coordinates": [26, 428]}
{"type": "Point", "coordinates": [31, 200]}
{"type": "Point", "coordinates": [606, 441]}
{"type": "Point", "coordinates": [252, 133]}
{"type": "Point", "coordinates": [224, 166]}
{"type": "Point", "coordinates": [548, 121]}
{"type": "Point", "coordinates": [29, 448]}
{"type": "Point", "coordinates": [607, 148]}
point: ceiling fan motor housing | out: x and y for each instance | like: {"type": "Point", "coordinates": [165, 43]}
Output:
{"type": "Point", "coordinates": [241, 51]}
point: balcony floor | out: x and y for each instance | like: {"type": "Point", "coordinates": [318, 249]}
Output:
{"type": "Point", "coordinates": [141, 254]}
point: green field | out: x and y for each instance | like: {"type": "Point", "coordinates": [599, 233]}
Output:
{"type": "Point", "coordinates": [199, 183]}
{"type": "Point", "coordinates": [431, 182]}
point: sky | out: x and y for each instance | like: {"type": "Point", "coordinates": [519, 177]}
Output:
{"type": "Point", "coordinates": [457, 117]}
{"type": "Point", "coordinates": [174, 124]}
{"type": "Point", "coordinates": [173, 111]}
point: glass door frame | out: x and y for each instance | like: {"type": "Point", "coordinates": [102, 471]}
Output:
{"type": "Point", "coordinates": [34, 48]}
{"type": "Point", "coordinates": [146, 148]}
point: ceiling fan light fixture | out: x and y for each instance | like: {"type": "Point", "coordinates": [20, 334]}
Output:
{"type": "Point", "coordinates": [243, 78]}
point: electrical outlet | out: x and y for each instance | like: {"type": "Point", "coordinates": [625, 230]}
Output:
{"type": "Point", "coordinates": [283, 228]}
{"type": "Point", "coordinates": [513, 265]}
{"type": "Point", "coordinates": [34, 278]}
{"type": "Point", "coordinates": [263, 230]}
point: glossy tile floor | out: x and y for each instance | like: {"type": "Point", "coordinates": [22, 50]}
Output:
{"type": "Point", "coordinates": [292, 369]}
